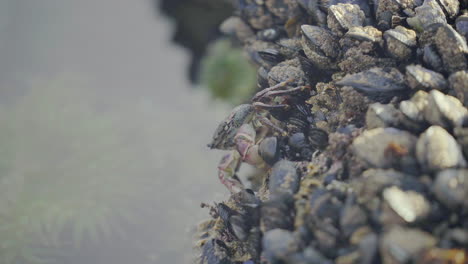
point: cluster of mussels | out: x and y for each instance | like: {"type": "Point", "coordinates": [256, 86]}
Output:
{"type": "Point", "coordinates": [360, 127]}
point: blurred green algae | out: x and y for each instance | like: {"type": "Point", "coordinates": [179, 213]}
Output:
{"type": "Point", "coordinates": [227, 73]}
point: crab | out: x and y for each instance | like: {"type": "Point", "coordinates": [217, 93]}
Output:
{"type": "Point", "coordinates": [238, 132]}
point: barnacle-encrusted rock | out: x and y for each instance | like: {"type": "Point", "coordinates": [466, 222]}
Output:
{"type": "Point", "coordinates": [360, 126]}
{"type": "Point", "coordinates": [437, 149]}
{"type": "Point", "coordinates": [377, 82]}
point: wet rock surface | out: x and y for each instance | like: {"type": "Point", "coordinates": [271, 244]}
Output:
{"type": "Point", "coordinates": [359, 133]}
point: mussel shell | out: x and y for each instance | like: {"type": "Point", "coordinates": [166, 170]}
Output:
{"type": "Point", "coordinates": [269, 150]}
{"type": "Point", "coordinates": [427, 15]}
{"type": "Point", "coordinates": [284, 178]}
{"type": "Point", "coordinates": [320, 46]}
{"type": "Point", "coordinates": [271, 56]}
{"type": "Point", "coordinates": [367, 33]}
{"type": "Point", "coordinates": [376, 82]}
{"type": "Point", "coordinates": [224, 212]}
{"type": "Point", "coordinates": [297, 141]}
{"type": "Point", "coordinates": [262, 77]}
{"type": "Point", "coordinates": [452, 47]}
{"type": "Point", "coordinates": [320, 40]}
{"type": "Point", "coordinates": [240, 226]}
{"type": "Point", "coordinates": [462, 25]}
{"type": "Point", "coordinates": [277, 213]}
{"type": "Point", "coordinates": [399, 42]}
{"type": "Point", "coordinates": [431, 58]}
{"type": "Point", "coordinates": [318, 138]}
{"type": "Point", "coordinates": [403, 35]}
{"type": "Point", "coordinates": [312, 73]}
{"type": "Point", "coordinates": [215, 251]}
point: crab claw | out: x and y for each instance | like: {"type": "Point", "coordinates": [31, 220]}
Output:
{"type": "Point", "coordinates": [244, 139]}
{"type": "Point", "coordinates": [245, 145]}
{"type": "Point", "coordinates": [227, 169]}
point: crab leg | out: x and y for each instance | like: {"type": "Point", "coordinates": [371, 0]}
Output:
{"type": "Point", "coordinates": [245, 144]}
{"type": "Point", "coordinates": [227, 168]}
{"type": "Point", "coordinates": [287, 91]}
{"type": "Point", "coordinates": [260, 105]}
{"type": "Point", "coordinates": [272, 88]}
{"type": "Point", "coordinates": [265, 121]}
